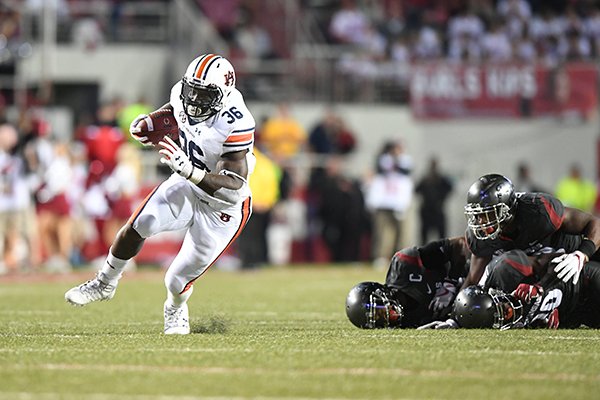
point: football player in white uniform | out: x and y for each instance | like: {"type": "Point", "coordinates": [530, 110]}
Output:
{"type": "Point", "coordinates": [207, 194]}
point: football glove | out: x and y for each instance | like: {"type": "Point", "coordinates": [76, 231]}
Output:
{"type": "Point", "coordinates": [526, 293]}
{"type": "Point", "coordinates": [179, 162]}
{"type": "Point", "coordinates": [447, 324]}
{"type": "Point", "coordinates": [134, 130]}
{"type": "Point", "coordinates": [568, 266]}
{"type": "Point", "coordinates": [443, 296]}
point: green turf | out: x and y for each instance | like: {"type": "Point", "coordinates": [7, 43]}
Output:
{"type": "Point", "coordinates": [274, 333]}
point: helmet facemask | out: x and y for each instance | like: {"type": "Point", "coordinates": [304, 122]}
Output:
{"type": "Point", "coordinates": [509, 311]}
{"type": "Point", "coordinates": [200, 102]}
{"type": "Point", "coordinates": [383, 312]}
{"type": "Point", "coordinates": [486, 222]}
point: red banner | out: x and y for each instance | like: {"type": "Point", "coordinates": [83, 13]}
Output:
{"type": "Point", "coordinates": [442, 90]}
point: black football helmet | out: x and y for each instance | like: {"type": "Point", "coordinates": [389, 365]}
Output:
{"type": "Point", "coordinates": [370, 305]}
{"type": "Point", "coordinates": [476, 308]}
{"type": "Point", "coordinates": [491, 203]}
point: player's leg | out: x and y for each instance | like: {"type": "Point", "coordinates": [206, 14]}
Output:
{"type": "Point", "coordinates": [589, 308]}
{"type": "Point", "coordinates": [208, 237]}
{"type": "Point", "coordinates": [169, 207]}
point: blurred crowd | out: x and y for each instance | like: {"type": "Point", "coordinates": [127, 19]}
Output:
{"type": "Point", "coordinates": [469, 30]}
{"type": "Point", "coordinates": [62, 202]}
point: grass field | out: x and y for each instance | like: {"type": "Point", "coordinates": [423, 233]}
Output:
{"type": "Point", "coordinates": [274, 333]}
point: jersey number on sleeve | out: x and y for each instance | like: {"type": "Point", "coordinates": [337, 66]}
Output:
{"type": "Point", "coordinates": [233, 114]}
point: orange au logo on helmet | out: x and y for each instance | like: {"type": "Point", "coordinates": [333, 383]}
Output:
{"type": "Point", "coordinates": [229, 78]}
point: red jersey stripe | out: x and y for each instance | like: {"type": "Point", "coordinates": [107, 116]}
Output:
{"type": "Point", "coordinates": [526, 270]}
{"type": "Point", "coordinates": [556, 219]}
{"type": "Point", "coordinates": [409, 259]}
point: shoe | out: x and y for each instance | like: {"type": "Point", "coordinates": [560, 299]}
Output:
{"type": "Point", "coordinates": [92, 290]}
{"type": "Point", "coordinates": [177, 320]}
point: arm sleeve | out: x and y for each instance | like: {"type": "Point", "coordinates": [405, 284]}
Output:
{"type": "Point", "coordinates": [436, 255]}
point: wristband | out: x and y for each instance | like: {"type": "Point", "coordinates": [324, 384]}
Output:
{"type": "Point", "coordinates": [197, 175]}
{"type": "Point", "coordinates": [587, 247]}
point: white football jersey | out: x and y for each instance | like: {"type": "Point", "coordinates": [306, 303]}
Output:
{"type": "Point", "coordinates": [205, 142]}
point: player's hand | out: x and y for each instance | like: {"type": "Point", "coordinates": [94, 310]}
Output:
{"type": "Point", "coordinates": [448, 324]}
{"type": "Point", "coordinates": [135, 130]}
{"type": "Point", "coordinates": [443, 296]}
{"type": "Point", "coordinates": [178, 161]}
{"type": "Point", "coordinates": [568, 266]}
{"type": "Point", "coordinates": [526, 292]}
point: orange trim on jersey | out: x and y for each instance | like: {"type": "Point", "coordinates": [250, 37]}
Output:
{"type": "Point", "coordinates": [239, 138]}
{"type": "Point", "coordinates": [139, 208]}
{"type": "Point", "coordinates": [246, 212]}
{"type": "Point", "coordinates": [203, 65]}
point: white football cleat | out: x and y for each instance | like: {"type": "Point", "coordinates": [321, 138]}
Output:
{"type": "Point", "coordinates": [177, 320]}
{"type": "Point", "coordinates": [90, 291]}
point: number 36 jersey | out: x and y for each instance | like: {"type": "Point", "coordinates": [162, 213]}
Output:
{"type": "Point", "coordinates": [232, 129]}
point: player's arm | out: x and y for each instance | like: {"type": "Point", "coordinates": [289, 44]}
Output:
{"type": "Point", "coordinates": [579, 222]}
{"type": "Point", "coordinates": [231, 173]}
{"type": "Point", "coordinates": [476, 270]}
{"type": "Point", "coordinates": [569, 266]}
{"type": "Point", "coordinates": [224, 183]}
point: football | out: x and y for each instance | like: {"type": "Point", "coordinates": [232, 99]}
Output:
{"type": "Point", "coordinates": [155, 126]}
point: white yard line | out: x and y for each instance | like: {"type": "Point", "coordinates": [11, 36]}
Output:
{"type": "Point", "coordinates": [111, 396]}
{"type": "Point", "coordinates": [397, 372]}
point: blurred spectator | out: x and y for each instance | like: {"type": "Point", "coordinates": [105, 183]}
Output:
{"type": "Point", "coordinates": [434, 188]}
{"type": "Point", "coordinates": [524, 182]}
{"type": "Point", "coordinates": [428, 44]}
{"type": "Point", "coordinates": [342, 212]}
{"type": "Point", "coordinates": [393, 24]}
{"type": "Point", "coordinates": [388, 197]}
{"type": "Point", "coordinates": [349, 24]}
{"type": "Point", "coordinates": [11, 173]}
{"type": "Point", "coordinates": [253, 246]}
{"type": "Point", "coordinates": [466, 22]}
{"type": "Point", "coordinates": [495, 44]}
{"type": "Point", "coordinates": [253, 39]}
{"type": "Point", "coordinates": [53, 208]}
{"type": "Point", "coordinates": [223, 14]}
{"type": "Point", "coordinates": [576, 191]}
{"type": "Point", "coordinates": [121, 188]}
{"type": "Point", "coordinates": [282, 137]}
{"type": "Point", "coordinates": [516, 13]}
{"type": "Point", "coordinates": [87, 33]}
{"type": "Point", "coordinates": [102, 143]}
{"type": "Point", "coordinates": [331, 136]}
{"type": "Point", "coordinates": [128, 113]}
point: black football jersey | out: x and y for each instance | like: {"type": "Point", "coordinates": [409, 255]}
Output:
{"type": "Point", "coordinates": [417, 271]}
{"type": "Point", "coordinates": [537, 220]}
